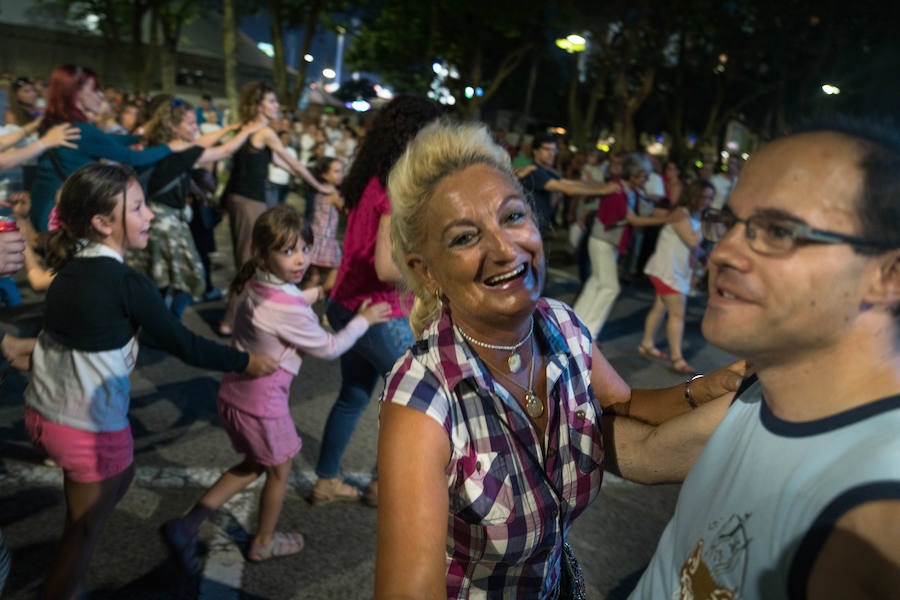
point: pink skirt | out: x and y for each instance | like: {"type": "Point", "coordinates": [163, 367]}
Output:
{"type": "Point", "coordinates": [266, 441]}
{"type": "Point", "coordinates": [85, 456]}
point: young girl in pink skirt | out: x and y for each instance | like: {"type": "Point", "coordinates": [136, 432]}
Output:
{"type": "Point", "coordinates": [325, 256]}
{"type": "Point", "coordinates": [76, 405]}
{"type": "Point", "coordinates": [273, 317]}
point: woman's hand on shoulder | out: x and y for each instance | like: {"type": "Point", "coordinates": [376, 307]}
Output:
{"type": "Point", "coordinates": [722, 381]}
{"type": "Point", "coordinates": [260, 365]}
{"type": "Point", "coordinates": [64, 134]}
{"type": "Point", "coordinates": [374, 313]}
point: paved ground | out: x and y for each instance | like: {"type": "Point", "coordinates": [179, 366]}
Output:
{"type": "Point", "coordinates": [180, 448]}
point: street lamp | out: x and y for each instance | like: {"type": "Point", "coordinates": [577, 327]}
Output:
{"type": "Point", "coordinates": [328, 73]}
{"type": "Point", "coordinates": [831, 90]}
{"type": "Point", "coordinates": [308, 57]}
{"type": "Point", "coordinates": [572, 43]}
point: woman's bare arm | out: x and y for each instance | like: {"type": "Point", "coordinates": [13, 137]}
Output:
{"type": "Point", "coordinates": [413, 504]}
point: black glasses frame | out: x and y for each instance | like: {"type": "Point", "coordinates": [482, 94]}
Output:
{"type": "Point", "coordinates": [799, 231]}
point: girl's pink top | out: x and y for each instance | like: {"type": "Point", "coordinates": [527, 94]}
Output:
{"type": "Point", "coordinates": [274, 318]}
{"type": "Point", "coordinates": [357, 279]}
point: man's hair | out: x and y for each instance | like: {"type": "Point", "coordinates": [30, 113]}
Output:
{"type": "Point", "coordinates": [542, 138]}
{"type": "Point", "coordinates": [878, 206]}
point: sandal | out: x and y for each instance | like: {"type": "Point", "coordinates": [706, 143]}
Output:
{"type": "Point", "coordinates": [182, 546]}
{"type": "Point", "coordinates": [326, 491]}
{"type": "Point", "coordinates": [282, 544]}
{"type": "Point", "coordinates": [681, 366]}
{"type": "Point", "coordinates": [651, 352]}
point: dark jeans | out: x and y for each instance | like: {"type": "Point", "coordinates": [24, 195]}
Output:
{"type": "Point", "coordinates": [372, 357]}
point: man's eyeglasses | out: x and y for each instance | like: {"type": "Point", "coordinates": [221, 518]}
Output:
{"type": "Point", "coordinates": [773, 235]}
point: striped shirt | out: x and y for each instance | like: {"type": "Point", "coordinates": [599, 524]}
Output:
{"type": "Point", "coordinates": [503, 535]}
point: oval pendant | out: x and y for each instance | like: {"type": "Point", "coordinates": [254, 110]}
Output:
{"type": "Point", "coordinates": [514, 362]}
{"type": "Point", "coordinates": [533, 406]}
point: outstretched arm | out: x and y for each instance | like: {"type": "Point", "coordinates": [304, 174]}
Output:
{"type": "Point", "coordinates": [272, 141]}
{"type": "Point", "coordinates": [574, 187]}
{"type": "Point", "coordinates": [231, 146]}
{"type": "Point", "coordinates": [648, 454]}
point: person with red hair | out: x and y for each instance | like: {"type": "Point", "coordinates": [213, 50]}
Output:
{"type": "Point", "coordinates": [75, 96]}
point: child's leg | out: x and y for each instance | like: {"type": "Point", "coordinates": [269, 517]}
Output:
{"type": "Point", "coordinates": [181, 534]}
{"type": "Point", "coordinates": [230, 483]}
{"type": "Point", "coordinates": [271, 500]}
{"type": "Point", "coordinates": [88, 505]}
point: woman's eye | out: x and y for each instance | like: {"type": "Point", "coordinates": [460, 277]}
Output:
{"type": "Point", "coordinates": [462, 239]}
{"type": "Point", "coordinates": [516, 216]}
{"type": "Point", "coordinates": [288, 251]}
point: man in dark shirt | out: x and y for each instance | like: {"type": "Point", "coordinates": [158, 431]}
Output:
{"type": "Point", "coordinates": [540, 180]}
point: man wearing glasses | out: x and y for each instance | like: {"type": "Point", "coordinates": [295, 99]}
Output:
{"type": "Point", "coordinates": [797, 493]}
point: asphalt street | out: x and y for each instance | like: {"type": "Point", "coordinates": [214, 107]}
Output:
{"type": "Point", "coordinates": [180, 448]}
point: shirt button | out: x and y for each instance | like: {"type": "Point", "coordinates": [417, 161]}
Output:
{"type": "Point", "coordinates": [551, 451]}
{"type": "Point", "coordinates": [478, 466]}
{"type": "Point", "coordinates": [555, 514]}
{"type": "Point", "coordinates": [579, 414]}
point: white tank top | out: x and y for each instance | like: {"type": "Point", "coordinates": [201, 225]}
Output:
{"type": "Point", "coordinates": [765, 493]}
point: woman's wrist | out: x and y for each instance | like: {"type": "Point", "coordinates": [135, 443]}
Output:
{"type": "Point", "coordinates": [688, 394]}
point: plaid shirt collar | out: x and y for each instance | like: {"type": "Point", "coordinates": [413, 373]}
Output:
{"type": "Point", "coordinates": [460, 362]}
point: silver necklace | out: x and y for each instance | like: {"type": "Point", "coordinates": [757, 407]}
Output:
{"type": "Point", "coordinates": [533, 406]}
{"type": "Point", "coordinates": [513, 361]}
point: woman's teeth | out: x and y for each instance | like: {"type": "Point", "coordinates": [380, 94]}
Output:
{"type": "Point", "coordinates": [498, 279]}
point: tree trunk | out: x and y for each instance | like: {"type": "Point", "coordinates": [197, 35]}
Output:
{"type": "Point", "coordinates": [314, 10]}
{"type": "Point", "coordinates": [151, 71]}
{"type": "Point", "coordinates": [138, 56]}
{"type": "Point", "coordinates": [529, 90]}
{"type": "Point", "coordinates": [229, 48]}
{"type": "Point", "coordinates": [279, 64]}
{"type": "Point", "coordinates": [168, 64]}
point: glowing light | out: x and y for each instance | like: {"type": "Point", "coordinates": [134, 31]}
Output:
{"type": "Point", "coordinates": [437, 68]}
{"type": "Point", "coordinates": [359, 105]}
{"type": "Point", "coordinates": [266, 48]}
{"type": "Point", "coordinates": [732, 145]}
{"type": "Point", "coordinates": [451, 100]}
{"type": "Point", "coordinates": [557, 130]}
{"type": "Point", "coordinates": [699, 164]}
{"type": "Point", "coordinates": [331, 87]}
{"type": "Point", "coordinates": [479, 91]}
{"type": "Point", "coordinates": [603, 147]}
{"type": "Point", "coordinates": [723, 154]}
{"type": "Point", "coordinates": [745, 156]}
{"type": "Point", "coordinates": [831, 90]}
{"type": "Point", "coordinates": [469, 91]}
{"type": "Point", "coordinates": [308, 57]}
{"type": "Point", "coordinates": [328, 73]}
{"type": "Point", "coordinates": [723, 58]}
{"type": "Point", "coordinates": [572, 43]}
{"type": "Point", "coordinates": [383, 92]}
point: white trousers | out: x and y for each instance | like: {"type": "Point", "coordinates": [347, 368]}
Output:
{"type": "Point", "coordinates": [602, 287]}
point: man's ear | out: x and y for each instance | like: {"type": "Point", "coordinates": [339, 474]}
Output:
{"type": "Point", "coordinates": [417, 265]}
{"type": "Point", "coordinates": [885, 287]}
{"type": "Point", "coordinates": [103, 224]}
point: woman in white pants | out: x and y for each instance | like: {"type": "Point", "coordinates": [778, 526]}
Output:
{"type": "Point", "coordinates": [616, 210]}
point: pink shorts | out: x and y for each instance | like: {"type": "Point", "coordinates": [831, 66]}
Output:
{"type": "Point", "coordinates": [85, 456]}
{"type": "Point", "coordinates": [661, 288]}
{"type": "Point", "coordinates": [266, 441]}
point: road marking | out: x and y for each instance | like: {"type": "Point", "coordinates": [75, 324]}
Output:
{"type": "Point", "coordinates": [223, 569]}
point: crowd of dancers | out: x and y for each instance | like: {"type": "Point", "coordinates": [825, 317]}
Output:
{"type": "Point", "coordinates": [491, 438]}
